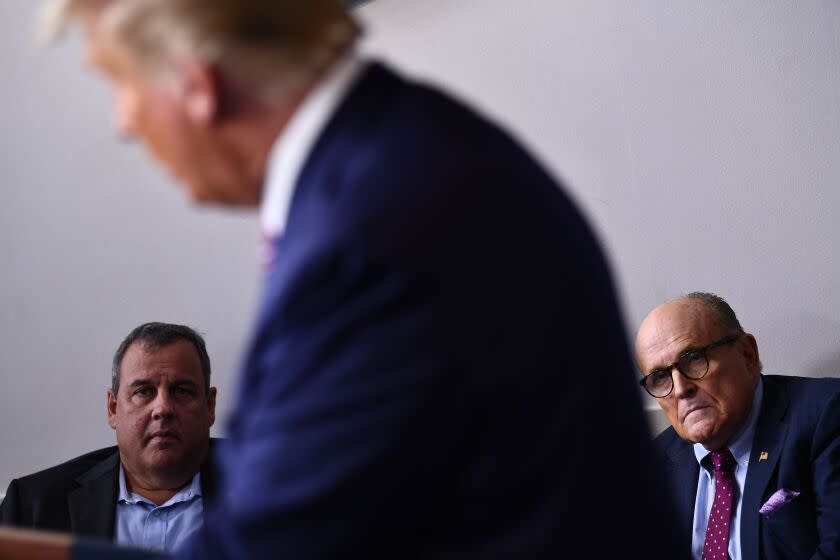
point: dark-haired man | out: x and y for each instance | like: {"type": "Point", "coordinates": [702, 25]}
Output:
{"type": "Point", "coordinates": [754, 459]}
{"type": "Point", "coordinates": [149, 490]}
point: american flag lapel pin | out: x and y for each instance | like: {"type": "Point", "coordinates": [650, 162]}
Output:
{"type": "Point", "coordinates": [763, 457]}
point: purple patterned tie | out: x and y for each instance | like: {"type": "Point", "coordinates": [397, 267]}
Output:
{"type": "Point", "coordinates": [716, 545]}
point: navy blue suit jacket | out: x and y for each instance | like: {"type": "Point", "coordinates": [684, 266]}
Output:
{"type": "Point", "coordinates": [799, 430]}
{"type": "Point", "coordinates": [439, 368]}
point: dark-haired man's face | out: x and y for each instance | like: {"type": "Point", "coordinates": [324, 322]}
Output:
{"type": "Point", "coordinates": [162, 414]}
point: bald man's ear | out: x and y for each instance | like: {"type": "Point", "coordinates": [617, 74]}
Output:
{"type": "Point", "coordinates": [750, 352]}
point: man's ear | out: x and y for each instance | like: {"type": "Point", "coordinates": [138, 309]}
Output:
{"type": "Point", "coordinates": [112, 409]}
{"type": "Point", "coordinates": [199, 91]}
{"type": "Point", "coordinates": [211, 404]}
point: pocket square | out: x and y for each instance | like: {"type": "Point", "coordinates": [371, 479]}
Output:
{"type": "Point", "coordinates": [777, 500]}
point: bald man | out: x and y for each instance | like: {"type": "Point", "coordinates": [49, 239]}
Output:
{"type": "Point", "coordinates": [754, 459]}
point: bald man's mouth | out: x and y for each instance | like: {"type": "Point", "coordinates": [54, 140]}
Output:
{"type": "Point", "coordinates": [692, 409]}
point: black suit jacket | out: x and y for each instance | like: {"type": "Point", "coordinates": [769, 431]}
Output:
{"type": "Point", "coordinates": [77, 497]}
{"type": "Point", "coordinates": [799, 430]}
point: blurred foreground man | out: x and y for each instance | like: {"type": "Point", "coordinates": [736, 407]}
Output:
{"type": "Point", "coordinates": [754, 459]}
{"type": "Point", "coordinates": [413, 388]}
{"type": "Point", "coordinates": [149, 491]}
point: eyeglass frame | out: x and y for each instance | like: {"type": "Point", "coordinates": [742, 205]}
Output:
{"type": "Point", "coordinates": [728, 339]}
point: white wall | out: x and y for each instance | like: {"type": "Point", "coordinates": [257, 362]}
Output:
{"type": "Point", "coordinates": [701, 138]}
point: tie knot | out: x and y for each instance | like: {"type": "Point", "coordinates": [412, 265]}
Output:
{"type": "Point", "coordinates": [723, 460]}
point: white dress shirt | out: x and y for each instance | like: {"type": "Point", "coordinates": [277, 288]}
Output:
{"type": "Point", "coordinates": [292, 147]}
{"type": "Point", "coordinates": [740, 448]}
{"type": "Point", "coordinates": [142, 523]}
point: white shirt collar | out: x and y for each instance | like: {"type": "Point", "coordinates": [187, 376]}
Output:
{"type": "Point", "coordinates": [290, 150]}
{"type": "Point", "coordinates": [185, 494]}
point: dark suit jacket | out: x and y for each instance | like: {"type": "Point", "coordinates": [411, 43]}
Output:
{"type": "Point", "coordinates": [439, 368]}
{"type": "Point", "coordinates": [78, 497]}
{"type": "Point", "coordinates": [799, 429]}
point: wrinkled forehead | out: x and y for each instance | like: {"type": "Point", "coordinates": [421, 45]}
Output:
{"type": "Point", "coordinates": [672, 328]}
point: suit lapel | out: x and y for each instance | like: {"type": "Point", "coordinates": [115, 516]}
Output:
{"type": "Point", "coordinates": [93, 505]}
{"type": "Point", "coordinates": [353, 123]}
{"type": "Point", "coordinates": [208, 476]}
{"type": "Point", "coordinates": [769, 439]}
{"type": "Point", "coordinates": [684, 473]}
{"type": "Point", "coordinates": [343, 140]}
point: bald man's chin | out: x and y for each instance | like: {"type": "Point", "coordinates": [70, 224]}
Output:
{"type": "Point", "coordinates": [699, 434]}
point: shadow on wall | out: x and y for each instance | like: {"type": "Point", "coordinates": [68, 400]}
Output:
{"type": "Point", "coordinates": [828, 367]}
{"type": "Point", "coordinates": [800, 344]}
{"type": "Point", "coordinates": [656, 420]}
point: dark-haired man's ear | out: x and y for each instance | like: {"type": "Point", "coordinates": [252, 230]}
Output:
{"type": "Point", "coordinates": [112, 408]}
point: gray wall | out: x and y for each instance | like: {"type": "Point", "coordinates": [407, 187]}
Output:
{"type": "Point", "coordinates": [701, 138]}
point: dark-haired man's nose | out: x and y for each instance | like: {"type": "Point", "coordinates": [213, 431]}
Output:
{"type": "Point", "coordinates": [163, 406]}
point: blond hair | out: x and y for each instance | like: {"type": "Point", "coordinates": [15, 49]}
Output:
{"type": "Point", "coordinates": [272, 43]}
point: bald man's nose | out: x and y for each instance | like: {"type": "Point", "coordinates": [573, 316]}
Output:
{"type": "Point", "coordinates": [683, 386]}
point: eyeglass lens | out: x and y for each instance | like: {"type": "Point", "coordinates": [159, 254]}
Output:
{"type": "Point", "coordinates": [692, 365]}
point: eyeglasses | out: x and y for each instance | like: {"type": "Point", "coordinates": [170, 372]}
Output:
{"type": "Point", "coordinates": [693, 365]}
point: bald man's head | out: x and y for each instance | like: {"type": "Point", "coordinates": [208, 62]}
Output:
{"type": "Point", "coordinates": [688, 335]}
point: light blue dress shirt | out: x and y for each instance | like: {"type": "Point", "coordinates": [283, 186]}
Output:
{"type": "Point", "coordinates": [141, 523]}
{"type": "Point", "coordinates": [740, 448]}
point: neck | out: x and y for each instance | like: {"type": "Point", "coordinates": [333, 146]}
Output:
{"type": "Point", "coordinates": [245, 137]}
{"type": "Point", "coordinates": [157, 492]}
{"type": "Point", "coordinates": [247, 145]}
{"type": "Point", "coordinates": [251, 122]}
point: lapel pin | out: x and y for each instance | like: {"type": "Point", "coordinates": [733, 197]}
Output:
{"type": "Point", "coordinates": [763, 457]}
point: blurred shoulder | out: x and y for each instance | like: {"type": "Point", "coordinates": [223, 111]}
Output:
{"type": "Point", "coordinates": [668, 443]}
